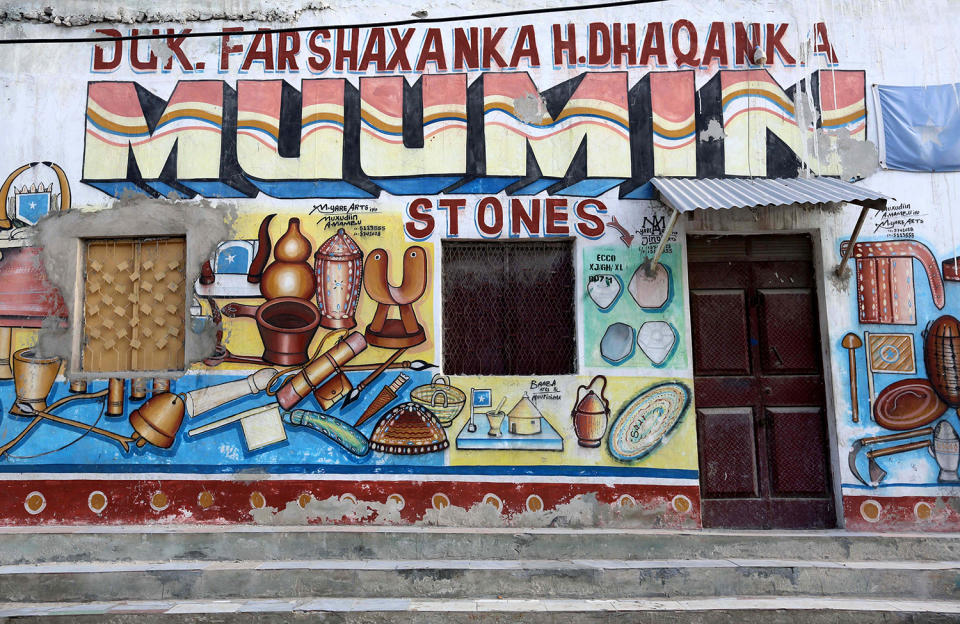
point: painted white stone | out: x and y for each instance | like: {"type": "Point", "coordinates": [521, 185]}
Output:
{"type": "Point", "coordinates": [604, 289]}
{"type": "Point", "coordinates": [656, 340]}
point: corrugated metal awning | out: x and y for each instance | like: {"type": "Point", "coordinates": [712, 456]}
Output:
{"type": "Point", "coordinates": [685, 194]}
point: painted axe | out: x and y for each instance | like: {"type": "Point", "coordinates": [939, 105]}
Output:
{"type": "Point", "coordinates": [877, 473]}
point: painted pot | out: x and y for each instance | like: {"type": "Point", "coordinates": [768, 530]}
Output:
{"type": "Point", "coordinates": [946, 451]}
{"type": "Point", "coordinates": [590, 414]}
{"type": "Point", "coordinates": [287, 326]}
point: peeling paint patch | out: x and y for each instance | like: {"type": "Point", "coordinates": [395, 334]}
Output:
{"type": "Point", "coordinates": [342, 509]}
{"type": "Point", "coordinates": [714, 132]}
{"type": "Point", "coordinates": [857, 159]}
{"type": "Point", "coordinates": [282, 13]}
{"type": "Point", "coordinates": [530, 108]}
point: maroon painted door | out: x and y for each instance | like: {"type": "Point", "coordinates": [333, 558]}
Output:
{"type": "Point", "coordinates": [758, 383]}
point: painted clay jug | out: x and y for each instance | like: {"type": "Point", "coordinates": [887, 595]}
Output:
{"type": "Point", "coordinates": [590, 414]}
{"type": "Point", "coordinates": [289, 275]}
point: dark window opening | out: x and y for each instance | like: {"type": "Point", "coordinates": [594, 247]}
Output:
{"type": "Point", "coordinates": [509, 307]}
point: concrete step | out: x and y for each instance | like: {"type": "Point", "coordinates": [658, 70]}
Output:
{"type": "Point", "coordinates": [26, 545]}
{"type": "Point", "coordinates": [490, 579]}
{"type": "Point", "coordinates": [807, 609]}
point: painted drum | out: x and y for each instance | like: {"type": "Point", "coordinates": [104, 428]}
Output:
{"type": "Point", "coordinates": [647, 419]}
{"type": "Point", "coordinates": [907, 404]}
{"type": "Point", "coordinates": [941, 354]}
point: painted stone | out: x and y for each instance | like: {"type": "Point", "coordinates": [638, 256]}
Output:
{"type": "Point", "coordinates": [604, 289]}
{"type": "Point", "coordinates": [616, 346]}
{"type": "Point", "coordinates": [656, 339]}
{"type": "Point", "coordinates": [650, 292]}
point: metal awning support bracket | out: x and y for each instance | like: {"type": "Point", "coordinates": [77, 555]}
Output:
{"type": "Point", "coordinates": [866, 206]}
{"type": "Point", "coordinates": [650, 266]}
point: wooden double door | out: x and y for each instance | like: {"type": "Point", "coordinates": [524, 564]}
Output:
{"type": "Point", "coordinates": [758, 380]}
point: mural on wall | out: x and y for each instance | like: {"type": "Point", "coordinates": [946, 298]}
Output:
{"type": "Point", "coordinates": [343, 165]}
{"type": "Point", "coordinates": [902, 430]}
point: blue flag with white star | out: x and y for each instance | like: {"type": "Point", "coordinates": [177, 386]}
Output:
{"type": "Point", "coordinates": [919, 127]}
{"type": "Point", "coordinates": [31, 207]}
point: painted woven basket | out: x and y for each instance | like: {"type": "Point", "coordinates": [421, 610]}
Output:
{"type": "Point", "coordinates": [445, 401]}
{"type": "Point", "coordinates": [645, 420]}
{"type": "Point", "coordinates": [408, 429]}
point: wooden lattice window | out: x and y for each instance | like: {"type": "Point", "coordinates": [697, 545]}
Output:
{"type": "Point", "coordinates": [134, 302]}
{"type": "Point", "coordinates": [509, 307]}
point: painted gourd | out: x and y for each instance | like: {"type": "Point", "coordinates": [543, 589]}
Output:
{"type": "Point", "coordinates": [289, 275]}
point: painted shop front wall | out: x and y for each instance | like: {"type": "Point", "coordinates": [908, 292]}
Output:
{"type": "Point", "coordinates": [404, 274]}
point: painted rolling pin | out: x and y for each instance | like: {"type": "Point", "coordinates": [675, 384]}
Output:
{"type": "Point", "coordinates": [205, 399]}
{"type": "Point", "coordinates": [345, 435]}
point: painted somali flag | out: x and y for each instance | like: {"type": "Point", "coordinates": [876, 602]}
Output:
{"type": "Point", "coordinates": [234, 257]}
{"type": "Point", "coordinates": [919, 127]}
{"type": "Point", "coordinates": [31, 207]}
{"type": "Point", "coordinates": [482, 398]}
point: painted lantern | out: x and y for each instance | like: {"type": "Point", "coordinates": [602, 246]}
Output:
{"type": "Point", "coordinates": [339, 262]}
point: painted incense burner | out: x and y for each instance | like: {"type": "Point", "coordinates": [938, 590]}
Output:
{"type": "Point", "coordinates": [338, 263]}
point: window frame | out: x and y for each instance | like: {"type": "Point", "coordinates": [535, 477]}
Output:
{"type": "Point", "coordinates": [571, 363]}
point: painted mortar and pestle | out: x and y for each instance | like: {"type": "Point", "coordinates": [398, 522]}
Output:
{"type": "Point", "coordinates": [495, 418]}
{"type": "Point", "coordinates": [33, 378]}
{"type": "Point", "coordinates": [287, 326]}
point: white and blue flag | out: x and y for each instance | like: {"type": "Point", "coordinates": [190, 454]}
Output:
{"type": "Point", "coordinates": [919, 127]}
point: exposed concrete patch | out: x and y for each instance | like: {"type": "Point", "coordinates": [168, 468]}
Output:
{"type": "Point", "coordinates": [60, 234]}
{"type": "Point", "coordinates": [857, 159]}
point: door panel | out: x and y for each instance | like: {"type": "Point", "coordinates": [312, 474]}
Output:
{"type": "Point", "coordinates": [732, 470]}
{"type": "Point", "coordinates": [788, 337]}
{"type": "Point", "coordinates": [758, 383]}
{"type": "Point", "coordinates": [795, 472]}
{"type": "Point", "coordinates": [720, 336]}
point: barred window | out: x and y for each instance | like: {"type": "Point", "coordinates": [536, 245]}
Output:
{"type": "Point", "coordinates": [509, 307]}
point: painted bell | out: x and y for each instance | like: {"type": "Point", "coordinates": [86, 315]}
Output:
{"type": "Point", "coordinates": [339, 266]}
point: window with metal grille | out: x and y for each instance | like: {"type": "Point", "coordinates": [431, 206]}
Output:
{"type": "Point", "coordinates": [509, 307]}
{"type": "Point", "coordinates": [134, 302]}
